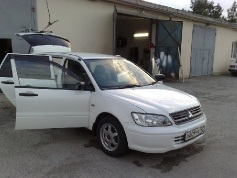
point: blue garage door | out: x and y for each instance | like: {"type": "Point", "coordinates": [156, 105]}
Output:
{"type": "Point", "coordinates": [169, 41]}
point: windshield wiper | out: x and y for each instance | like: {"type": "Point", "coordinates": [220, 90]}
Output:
{"type": "Point", "coordinates": [152, 83]}
{"type": "Point", "coordinates": [129, 86]}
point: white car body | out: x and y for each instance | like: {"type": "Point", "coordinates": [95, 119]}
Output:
{"type": "Point", "coordinates": [40, 107]}
{"type": "Point", "coordinates": [233, 67]}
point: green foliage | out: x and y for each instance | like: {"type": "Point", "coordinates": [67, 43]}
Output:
{"type": "Point", "coordinates": [206, 8]}
{"type": "Point", "coordinates": [232, 14]}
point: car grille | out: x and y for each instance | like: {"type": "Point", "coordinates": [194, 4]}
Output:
{"type": "Point", "coordinates": [188, 115]}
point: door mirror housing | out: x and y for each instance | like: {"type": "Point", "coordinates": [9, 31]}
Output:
{"type": "Point", "coordinates": [160, 77]}
{"type": "Point", "coordinates": [80, 86]}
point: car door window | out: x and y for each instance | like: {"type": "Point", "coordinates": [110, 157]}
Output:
{"type": "Point", "coordinates": [76, 68]}
{"type": "Point", "coordinates": [5, 68]}
{"type": "Point", "coordinates": [58, 60]}
{"type": "Point", "coordinates": [41, 72]}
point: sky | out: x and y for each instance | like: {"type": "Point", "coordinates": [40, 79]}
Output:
{"type": "Point", "coordinates": [185, 4]}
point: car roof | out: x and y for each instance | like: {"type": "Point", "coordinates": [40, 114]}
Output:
{"type": "Point", "coordinates": [92, 55]}
{"type": "Point", "coordinates": [80, 55]}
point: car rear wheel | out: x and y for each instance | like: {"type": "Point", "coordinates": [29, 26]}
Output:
{"type": "Point", "coordinates": [111, 136]}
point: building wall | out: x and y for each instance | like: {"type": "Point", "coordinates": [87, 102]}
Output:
{"type": "Point", "coordinates": [223, 46]}
{"type": "Point", "coordinates": [224, 39]}
{"type": "Point", "coordinates": [87, 24]}
{"type": "Point", "coordinates": [16, 16]}
{"type": "Point", "coordinates": [186, 46]}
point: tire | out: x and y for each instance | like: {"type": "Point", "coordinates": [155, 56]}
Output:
{"type": "Point", "coordinates": [233, 74]}
{"type": "Point", "coordinates": [111, 136]}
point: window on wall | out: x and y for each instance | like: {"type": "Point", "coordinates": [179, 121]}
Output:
{"type": "Point", "coordinates": [234, 50]}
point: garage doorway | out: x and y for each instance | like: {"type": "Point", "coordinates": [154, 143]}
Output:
{"type": "Point", "coordinates": [133, 38]}
{"type": "Point", "coordinates": [5, 47]}
{"type": "Point", "coordinates": [156, 51]}
{"type": "Point", "coordinates": [203, 48]}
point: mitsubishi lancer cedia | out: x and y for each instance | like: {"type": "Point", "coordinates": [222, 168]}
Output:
{"type": "Point", "coordinates": [123, 105]}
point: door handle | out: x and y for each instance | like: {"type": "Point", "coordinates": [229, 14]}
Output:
{"type": "Point", "coordinates": [8, 82]}
{"type": "Point", "coordinates": [28, 94]}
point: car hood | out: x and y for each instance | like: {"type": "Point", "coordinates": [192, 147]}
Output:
{"type": "Point", "coordinates": [156, 98]}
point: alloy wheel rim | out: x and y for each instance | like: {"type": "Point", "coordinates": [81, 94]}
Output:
{"type": "Point", "coordinates": [109, 137]}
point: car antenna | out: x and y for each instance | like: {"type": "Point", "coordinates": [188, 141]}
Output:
{"type": "Point", "coordinates": [49, 23]}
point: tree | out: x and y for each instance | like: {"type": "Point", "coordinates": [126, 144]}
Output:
{"type": "Point", "coordinates": [206, 8]}
{"type": "Point", "coordinates": [232, 13]}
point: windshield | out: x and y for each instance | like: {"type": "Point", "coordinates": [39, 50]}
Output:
{"type": "Point", "coordinates": [117, 73]}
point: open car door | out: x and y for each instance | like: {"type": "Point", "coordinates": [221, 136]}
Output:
{"type": "Point", "coordinates": [6, 79]}
{"type": "Point", "coordinates": [47, 95]}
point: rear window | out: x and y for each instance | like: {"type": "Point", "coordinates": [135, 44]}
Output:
{"type": "Point", "coordinates": [42, 39]}
{"type": "Point", "coordinates": [6, 69]}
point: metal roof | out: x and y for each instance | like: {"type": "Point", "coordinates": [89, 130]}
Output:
{"type": "Point", "coordinates": [174, 12]}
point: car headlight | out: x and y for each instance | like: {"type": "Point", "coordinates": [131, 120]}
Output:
{"type": "Point", "coordinates": [151, 120]}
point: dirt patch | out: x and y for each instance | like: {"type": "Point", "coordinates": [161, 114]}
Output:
{"type": "Point", "coordinates": [137, 163]}
{"type": "Point", "coordinates": [92, 143]}
{"type": "Point", "coordinates": [168, 163]}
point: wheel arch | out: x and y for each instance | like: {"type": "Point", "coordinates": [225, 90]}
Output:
{"type": "Point", "coordinates": [99, 117]}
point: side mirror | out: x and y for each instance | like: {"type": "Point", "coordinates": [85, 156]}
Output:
{"type": "Point", "coordinates": [160, 77]}
{"type": "Point", "coordinates": [80, 86]}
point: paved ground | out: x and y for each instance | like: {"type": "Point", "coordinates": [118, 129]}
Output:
{"type": "Point", "coordinates": [75, 153]}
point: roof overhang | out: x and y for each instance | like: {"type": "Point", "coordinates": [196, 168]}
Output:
{"type": "Point", "coordinates": [175, 12]}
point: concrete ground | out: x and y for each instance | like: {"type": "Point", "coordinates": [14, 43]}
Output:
{"type": "Point", "coordinates": [74, 152]}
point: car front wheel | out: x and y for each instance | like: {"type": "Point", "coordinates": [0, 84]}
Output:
{"type": "Point", "coordinates": [111, 136]}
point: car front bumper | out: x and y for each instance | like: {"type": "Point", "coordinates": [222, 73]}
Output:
{"type": "Point", "coordinates": [161, 139]}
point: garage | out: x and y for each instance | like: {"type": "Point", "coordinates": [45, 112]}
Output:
{"type": "Point", "coordinates": [203, 48]}
{"type": "Point", "coordinates": [132, 39]}
{"type": "Point", "coordinates": [152, 44]}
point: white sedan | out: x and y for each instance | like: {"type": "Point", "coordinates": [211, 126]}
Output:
{"type": "Point", "coordinates": [123, 105]}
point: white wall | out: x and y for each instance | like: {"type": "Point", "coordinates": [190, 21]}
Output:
{"type": "Point", "coordinates": [223, 47]}
{"type": "Point", "coordinates": [87, 24]}
{"type": "Point", "coordinates": [224, 39]}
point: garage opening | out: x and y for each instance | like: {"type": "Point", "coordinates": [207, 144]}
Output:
{"type": "Point", "coordinates": [5, 47]}
{"type": "Point", "coordinates": [133, 38]}
{"type": "Point", "coordinates": [154, 45]}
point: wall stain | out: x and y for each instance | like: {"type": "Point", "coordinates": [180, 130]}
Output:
{"type": "Point", "coordinates": [92, 143]}
{"type": "Point", "coordinates": [168, 163]}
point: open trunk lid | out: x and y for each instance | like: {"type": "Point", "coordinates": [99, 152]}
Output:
{"type": "Point", "coordinates": [46, 42]}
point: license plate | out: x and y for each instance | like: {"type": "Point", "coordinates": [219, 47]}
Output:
{"type": "Point", "coordinates": [194, 133]}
